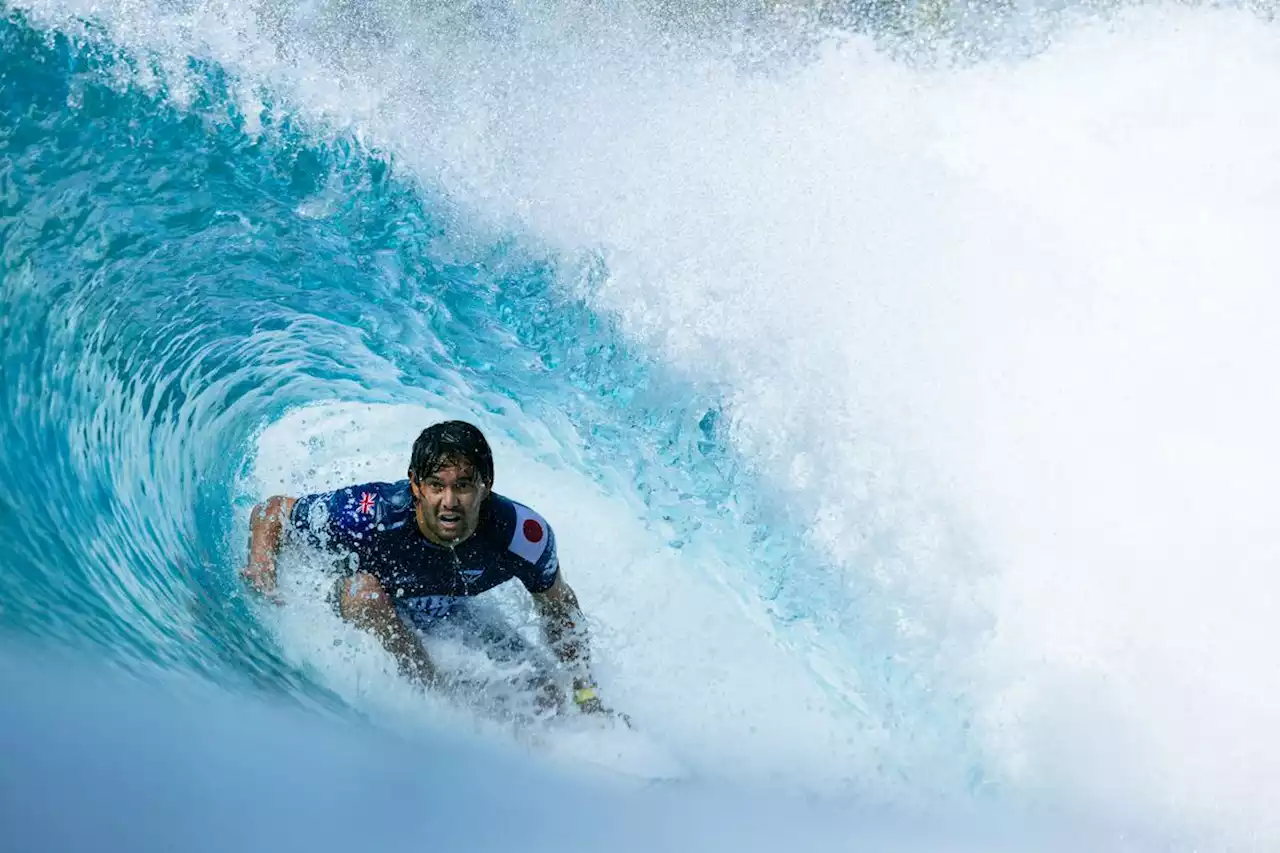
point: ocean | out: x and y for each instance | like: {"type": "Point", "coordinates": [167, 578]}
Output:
{"type": "Point", "coordinates": [899, 388]}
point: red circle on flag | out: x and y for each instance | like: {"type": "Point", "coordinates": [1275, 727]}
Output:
{"type": "Point", "coordinates": [532, 530]}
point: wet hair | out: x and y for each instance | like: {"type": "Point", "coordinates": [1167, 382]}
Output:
{"type": "Point", "coordinates": [451, 441]}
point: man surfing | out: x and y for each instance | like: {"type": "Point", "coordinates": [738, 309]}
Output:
{"type": "Point", "coordinates": [417, 550]}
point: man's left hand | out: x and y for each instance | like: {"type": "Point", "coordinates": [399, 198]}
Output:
{"type": "Point", "coordinates": [588, 702]}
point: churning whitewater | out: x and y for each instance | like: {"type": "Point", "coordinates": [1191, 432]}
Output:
{"type": "Point", "coordinates": [905, 420]}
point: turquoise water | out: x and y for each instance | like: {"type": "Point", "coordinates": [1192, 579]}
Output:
{"type": "Point", "coordinates": [174, 283]}
{"type": "Point", "coordinates": [252, 249]}
{"type": "Point", "coordinates": [117, 206]}
{"type": "Point", "coordinates": [203, 281]}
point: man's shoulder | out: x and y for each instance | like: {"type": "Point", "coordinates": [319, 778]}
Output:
{"type": "Point", "coordinates": [518, 528]}
{"type": "Point", "coordinates": [397, 494]}
{"type": "Point", "coordinates": [389, 498]}
{"type": "Point", "coordinates": [359, 507]}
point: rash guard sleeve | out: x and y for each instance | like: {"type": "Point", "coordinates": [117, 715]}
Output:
{"type": "Point", "coordinates": [339, 520]}
{"type": "Point", "coordinates": [534, 542]}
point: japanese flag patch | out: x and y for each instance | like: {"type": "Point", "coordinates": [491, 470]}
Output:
{"type": "Point", "coordinates": [532, 532]}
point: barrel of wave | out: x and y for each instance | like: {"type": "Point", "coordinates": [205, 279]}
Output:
{"type": "Point", "coordinates": [664, 627]}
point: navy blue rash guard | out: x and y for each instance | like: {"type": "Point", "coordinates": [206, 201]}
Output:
{"type": "Point", "coordinates": [374, 523]}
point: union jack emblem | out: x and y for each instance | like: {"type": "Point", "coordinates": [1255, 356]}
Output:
{"type": "Point", "coordinates": [366, 503]}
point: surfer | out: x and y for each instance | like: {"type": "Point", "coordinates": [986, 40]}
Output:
{"type": "Point", "coordinates": [417, 550]}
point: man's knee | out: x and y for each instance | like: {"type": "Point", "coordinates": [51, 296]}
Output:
{"type": "Point", "coordinates": [361, 596]}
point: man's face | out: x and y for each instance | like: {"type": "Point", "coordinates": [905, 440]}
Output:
{"type": "Point", "coordinates": [448, 502]}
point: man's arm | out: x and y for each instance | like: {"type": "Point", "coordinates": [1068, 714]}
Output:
{"type": "Point", "coordinates": [565, 630]}
{"type": "Point", "coordinates": [266, 531]}
{"type": "Point", "coordinates": [364, 602]}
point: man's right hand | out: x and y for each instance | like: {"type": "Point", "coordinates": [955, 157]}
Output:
{"type": "Point", "coordinates": [260, 574]}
